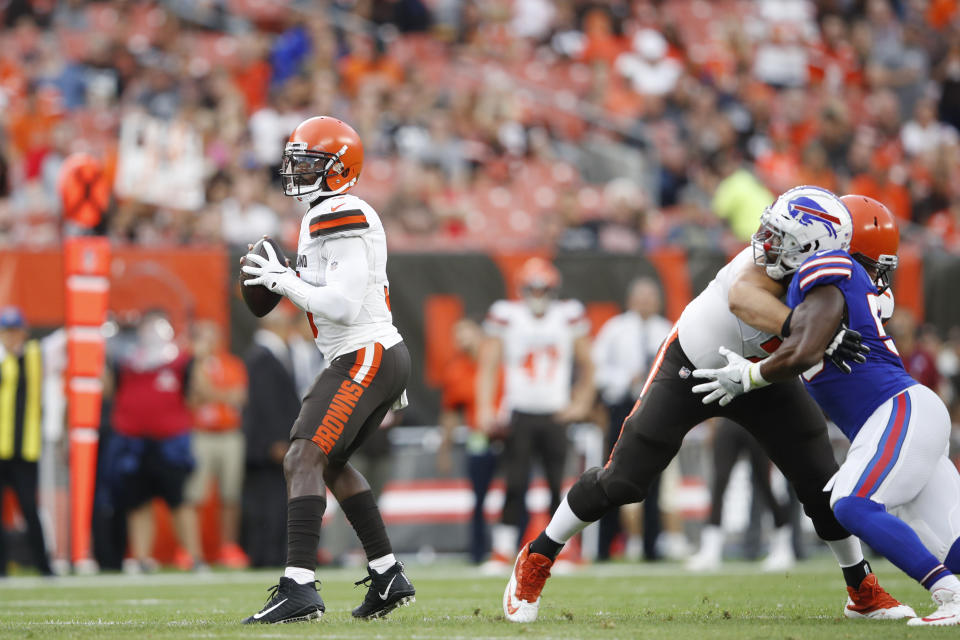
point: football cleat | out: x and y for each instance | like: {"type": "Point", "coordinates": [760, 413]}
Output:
{"type": "Point", "coordinates": [947, 613]}
{"type": "Point", "coordinates": [521, 599]}
{"type": "Point", "coordinates": [385, 592]}
{"type": "Point", "coordinates": [290, 601]}
{"type": "Point", "coordinates": [873, 602]}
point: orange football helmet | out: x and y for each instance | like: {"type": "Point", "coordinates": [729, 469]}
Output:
{"type": "Point", "coordinates": [876, 238]}
{"type": "Point", "coordinates": [538, 282]}
{"type": "Point", "coordinates": [323, 157]}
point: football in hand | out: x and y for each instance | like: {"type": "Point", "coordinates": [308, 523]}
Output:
{"type": "Point", "coordinates": [259, 299]}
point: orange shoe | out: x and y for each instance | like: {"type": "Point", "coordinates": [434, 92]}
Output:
{"type": "Point", "coordinates": [182, 560]}
{"type": "Point", "coordinates": [521, 598]}
{"type": "Point", "coordinates": [233, 557]}
{"type": "Point", "coordinates": [873, 602]}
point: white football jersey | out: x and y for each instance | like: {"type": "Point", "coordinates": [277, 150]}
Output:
{"type": "Point", "coordinates": [707, 322]}
{"type": "Point", "coordinates": [340, 217]}
{"type": "Point", "coordinates": [538, 352]}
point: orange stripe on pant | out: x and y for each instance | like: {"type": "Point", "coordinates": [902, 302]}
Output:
{"type": "Point", "coordinates": [361, 354]}
{"type": "Point", "coordinates": [374, 366]}
{"type": "Point", "coordinates": [654, 370]}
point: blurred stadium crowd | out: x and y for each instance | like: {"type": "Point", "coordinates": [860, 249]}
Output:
{"type": "Point", "coordinates": [577, 124]}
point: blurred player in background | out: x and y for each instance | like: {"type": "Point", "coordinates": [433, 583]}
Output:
{"type": "Point", "coordinates": [149, 452]}
{"type": "Point", "coordinates": [218, 393]}
{"type": "Point", "coordinates": [897, 489]}
{"type": "Point", "coordinates": [459, 407]}
{"type": "Point", "coordinates": [541, 342]}
{"type": "Point", "coordinates": [667, 410]}
{"type": "Point", "coordinates": [623, 351]}
{"type": "Point", "coordinates": [341, 282]}
{"type": "Point", "coordinates": [729, 442]}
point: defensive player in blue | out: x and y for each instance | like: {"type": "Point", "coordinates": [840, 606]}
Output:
{"type": "Point", "coordinates": [897, 489]}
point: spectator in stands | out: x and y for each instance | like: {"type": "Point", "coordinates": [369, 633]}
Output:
{"type": "Point", "coordinates": [739, 197]}
{"type": "Point", "coordinates": [924, 133]}
{"type": "Point", "coordinates": [459, 408]}
{"type": "Point", "coordinates": [272, 407]}
{"type": "Point", "coordinates": [623, 353]}
{"type": "Point", "coordinates": [217, 395]}
{"type": "Point", "coordinates": [149, 454]}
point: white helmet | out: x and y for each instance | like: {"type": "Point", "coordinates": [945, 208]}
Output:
{"type": "Point", "coordinates": [803, 221]}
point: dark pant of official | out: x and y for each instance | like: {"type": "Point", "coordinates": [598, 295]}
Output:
{"type": "Point", "coordinates": [481, 468]}
{"type": "Point", "coordinates": [610, 522]}
{"type": "Point", "coordinates": [263, 524]}
{"type": "Point", "coordinates": [21, 476]}
{"type": "Point", "coordinates": [532, 435]}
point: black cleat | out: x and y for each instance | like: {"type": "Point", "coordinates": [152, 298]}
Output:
{"type": "Point", "coordinates": [385, 592]}
{"type": "Point", "coordinates": [290, 602]}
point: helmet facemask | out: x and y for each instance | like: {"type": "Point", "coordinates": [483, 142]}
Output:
{"type": "Point", "coordinates": [304, 173]}
{"type": "Point", "coordinates": [884, 266]}
{"type": "Point", "coordinates": [776, 250]}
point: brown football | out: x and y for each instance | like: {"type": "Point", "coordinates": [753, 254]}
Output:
{"type": "Point", "coordinates": [259, 299]}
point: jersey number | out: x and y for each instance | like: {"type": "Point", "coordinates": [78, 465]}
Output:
{"type": "Point", "coordinates": [541, 361]}
{"type": "Point", "coordinates": [874, 302]}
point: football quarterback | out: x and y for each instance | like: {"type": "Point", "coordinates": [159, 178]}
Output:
{"type": "Point", "coordinates": [341, 283]}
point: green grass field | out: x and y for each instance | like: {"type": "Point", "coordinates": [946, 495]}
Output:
{"type": "Point", "coordinates": [601, 603]}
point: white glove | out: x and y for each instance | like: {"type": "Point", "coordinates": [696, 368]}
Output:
{"type": "Point", "coordinates": [268, 271]}
{"type": "Point", "coordinates": [738, 377]}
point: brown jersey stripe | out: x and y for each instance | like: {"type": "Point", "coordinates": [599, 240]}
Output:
{"type": "Point", "coordinates": [336, 222]}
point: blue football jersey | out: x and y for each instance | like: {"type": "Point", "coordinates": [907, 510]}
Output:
{"type": "Point", "coordinates": [849, 399]}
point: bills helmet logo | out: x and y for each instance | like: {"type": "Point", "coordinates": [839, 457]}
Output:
{"type": "Point", "coordinates": [807, 211]}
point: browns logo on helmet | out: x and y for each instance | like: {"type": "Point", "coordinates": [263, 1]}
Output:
{"type": "Point", "coordinates": [323, 157]}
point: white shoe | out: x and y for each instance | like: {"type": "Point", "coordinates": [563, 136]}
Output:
{"type": "Point", "coordinates": [673, 546]}
{"type": "Point", "coordinates": [521, 598]}
{"type": "Point", "coordinates": [495, 567]}
{"type": "Point", "coordinates": [947, 613]}
{"type": "Point", "coordinates": [781, 556]}
{"type": "Point", "coordinates": [710, 555]}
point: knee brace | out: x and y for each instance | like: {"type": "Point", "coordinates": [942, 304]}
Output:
{"type": "Point", "coordinates": [587, 499]}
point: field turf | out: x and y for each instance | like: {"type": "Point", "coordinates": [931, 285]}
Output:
{"type": "Point", "coordinates": [601, 603]}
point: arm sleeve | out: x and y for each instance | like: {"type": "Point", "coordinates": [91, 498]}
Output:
{"type": "Point", "coordinates": [341, 298]}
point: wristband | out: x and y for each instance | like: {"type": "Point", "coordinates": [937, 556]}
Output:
{"type": "Point", "coordinates": [785, 329]}
{"type": "Point", "coordinates": [755, 379]}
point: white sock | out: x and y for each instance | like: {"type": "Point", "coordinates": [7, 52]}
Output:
{"type": "Point", "coordinates": [564, 524]}
{"type": "Point", "coordinates": [300, 575]}
{"type": "Point", "coordinates": [504, 540]}
{"type": "Point", "coordinates": [847, 551]}
{"type": "Point", "coordinates": [380, 565]}
{"type": "Point", "coordinates": [948, 582]}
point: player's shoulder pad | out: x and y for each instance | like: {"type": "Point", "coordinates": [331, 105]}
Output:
{"type": "Point", "coordinates": [824, 267]}
{"type": "Point", "coordinates": [573, 309]}
{"type": "Point", "coordinates": [501, 312]}
{"type": "Point", "coordinates": [339, 217]}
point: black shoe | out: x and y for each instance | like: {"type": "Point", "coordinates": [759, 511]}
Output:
{"type": "Point", "coordinates": [386, 591]}
{"type": "Point", "coordinates": [290, 602]}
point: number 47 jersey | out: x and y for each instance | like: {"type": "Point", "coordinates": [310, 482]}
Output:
{"type": "Point", "coordinates": [849, 399]}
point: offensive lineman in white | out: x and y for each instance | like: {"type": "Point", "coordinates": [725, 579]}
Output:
{"type": "Point", "coordinates": [786, 422]}
{"type": "Point", "coordinates": [341, 283]}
